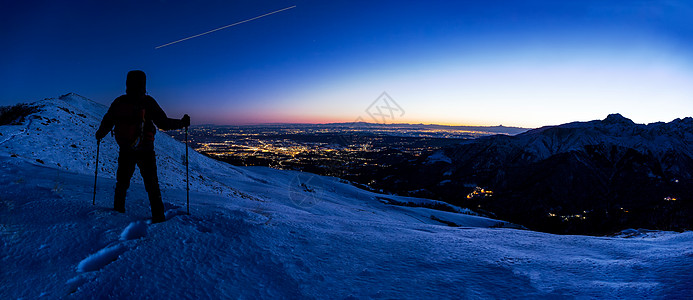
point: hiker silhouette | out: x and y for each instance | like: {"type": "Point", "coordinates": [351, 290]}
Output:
{"type": "Point", "coordinates": [134, 115]}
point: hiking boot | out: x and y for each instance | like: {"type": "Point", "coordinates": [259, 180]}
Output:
{"type": "Point", "coordinates": [158, 219]}
{"type": "Point", "coordinates": [119, 204]}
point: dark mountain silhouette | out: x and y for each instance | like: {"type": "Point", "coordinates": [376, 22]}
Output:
{"type": "Point", "coordinates": [584, 177]}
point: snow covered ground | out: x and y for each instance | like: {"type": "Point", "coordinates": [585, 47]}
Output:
{"type": "Point", "coordinates": [265, 233]}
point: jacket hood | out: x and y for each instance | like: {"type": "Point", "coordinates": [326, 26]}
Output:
{"type": "Point", "coordinates": [136, 83]}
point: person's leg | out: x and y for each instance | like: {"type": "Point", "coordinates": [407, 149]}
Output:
{"type": "Point", "coordinates": [126, 167]}
{"type": "Point", "coordinates": [147, 164]}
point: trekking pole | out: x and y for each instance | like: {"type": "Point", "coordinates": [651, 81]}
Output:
{"type": "Point", "coordinates": [96, 170]}
{"type": "Point", "coordinates": [187, 180]}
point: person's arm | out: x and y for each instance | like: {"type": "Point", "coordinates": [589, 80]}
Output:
{"type": "Point", "coordinates": [106, 123]}
{"type": "Point", "coordinates": [162, 121]}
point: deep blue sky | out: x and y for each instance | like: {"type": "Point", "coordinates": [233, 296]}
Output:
{"type": "Point", "coordinates": [522, 63]}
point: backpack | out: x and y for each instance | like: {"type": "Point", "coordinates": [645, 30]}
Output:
{"type": "Point", "coordinates": [129, 125]}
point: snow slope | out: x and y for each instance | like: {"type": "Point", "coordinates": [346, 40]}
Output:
{"type": "Point", "coordinates": [265, 233]}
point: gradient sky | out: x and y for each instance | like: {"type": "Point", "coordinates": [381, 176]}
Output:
{"type": "Point", "coordinates": [516, 63]}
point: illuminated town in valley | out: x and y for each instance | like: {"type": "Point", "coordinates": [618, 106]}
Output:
{"type": "Point", "coordinates": [346, 150]}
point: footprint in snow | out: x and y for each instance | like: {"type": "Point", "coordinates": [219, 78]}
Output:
{"type": "Point", "coordinates": [105, 256]}
{"type": "Point", "coordinates": [101, 258]}
{"type": "Point", "coordinates": [135, 230]}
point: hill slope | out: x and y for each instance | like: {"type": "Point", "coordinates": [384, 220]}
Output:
{"type": "Point", "coordinates": [264, 233]}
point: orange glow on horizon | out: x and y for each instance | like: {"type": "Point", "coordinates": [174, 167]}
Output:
{"type": "Point", "coordinates": [330, 120]}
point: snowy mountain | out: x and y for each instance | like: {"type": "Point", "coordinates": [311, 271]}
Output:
{"type": "Point", "coordinates": [670, 143]}
{"type": "Point", "coordinates": [262, 233]}
{"type": "Point", "coordinates": [583, 177]}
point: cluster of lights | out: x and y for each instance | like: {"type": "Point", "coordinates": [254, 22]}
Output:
{"type": "Point", "coordinates": [479, 192]}
{"type": "Point", "coordinates": [569, 217]}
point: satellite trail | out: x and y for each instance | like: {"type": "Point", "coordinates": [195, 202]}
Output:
{"type": "Point", "coordinates": [224, 27]}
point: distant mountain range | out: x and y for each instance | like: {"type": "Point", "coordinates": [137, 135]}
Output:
{"type": "Point", "coordinates": [581, 177]}
{"type": "Point", "coordinates": [500, 129]}
{"type": "Point", "coordinates": [366, 125]}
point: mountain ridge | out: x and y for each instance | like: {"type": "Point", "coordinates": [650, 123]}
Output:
{"type": "Point", "coordinates": [541, 143]}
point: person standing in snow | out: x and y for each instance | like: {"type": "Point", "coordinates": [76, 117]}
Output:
{"type": "Point", "coordinates": [134, 115]}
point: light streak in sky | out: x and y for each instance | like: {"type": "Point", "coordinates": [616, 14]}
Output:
{"type": "Point", "coordinates": [224, 27]}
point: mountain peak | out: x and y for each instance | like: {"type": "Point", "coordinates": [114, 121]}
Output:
{"type": "Point", "coordinates": [71, 94]}
{"type": "Point", "coordinates": [618, 119]}
{"type": "Point", "coordinates": [74, 96]}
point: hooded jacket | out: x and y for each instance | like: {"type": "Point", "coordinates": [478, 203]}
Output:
{"type": "Point", "coordinates": [120, 114]}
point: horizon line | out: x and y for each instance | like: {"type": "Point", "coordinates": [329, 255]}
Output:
{"type": "Point", "coordinates": [360, 122]}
